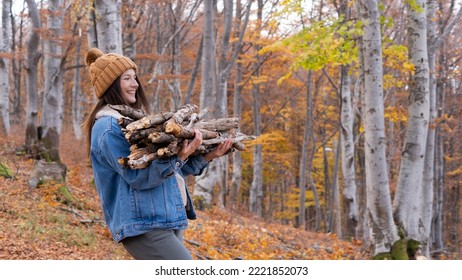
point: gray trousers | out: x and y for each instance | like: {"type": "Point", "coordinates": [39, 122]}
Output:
{"type": "Point", "coordinates": [161, 244]}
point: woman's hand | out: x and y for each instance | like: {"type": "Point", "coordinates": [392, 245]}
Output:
{"type": "Point", "coordinates": [219, 151]}
{"type": "Point", "coordinates": [189, 147]}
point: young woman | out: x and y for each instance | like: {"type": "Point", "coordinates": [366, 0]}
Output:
{"type": "Point", "coordinates": [145, 209]}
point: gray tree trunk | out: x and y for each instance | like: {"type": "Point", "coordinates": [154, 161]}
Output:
{"type": "Point", "coordinates": [109, 25]}
{"type": "Point", "coordinates": [52, 110]}
{"type": "Point", "coordinates": [429, 167]}
{"type": "Point", "coordinates": [226, 62]}
{"type": "Point", "coordinates": [302, 180]}
{"type": "Point", "coordinates": [348, 150]}
{"type": "Point", "coordinates": [204, 184]}
{"type": "Point", "coordinates": [347, 145]}
{"type": "Point", "coordinates": [33, 57]}
{"type": "Point", "coordinates": [407, 205]}
{"type": "Point", "coordinates": [77, 96]}
{"type": "Point", "coordinates": [256, 188]}
{"type": "Point", "coordinates": [5, 47]}
{"type": "Point", "coordinates": [379, 211]}
{"type": "Point", "coordinates": [236, 177]}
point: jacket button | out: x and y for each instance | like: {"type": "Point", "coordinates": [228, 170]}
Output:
{"type": "Point", "coordinates": [177, 164]}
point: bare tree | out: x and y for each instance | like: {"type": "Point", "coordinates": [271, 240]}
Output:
{"type": "Point", "coordinates": [205, 183]}
{"type": "Point", "coordinates": [256, 188]}
{"type": "Point", "coordinates": [379, 210]}
{"type": "Point", "coordinates": [5, 36]}
{"type": "Point", "coordinates": [347, 145]}
{"type": "Point", "coordinates": [52, 110]}
{"type": "Point", "coordinates": [409, 197]}
{"type": "Point", "coordinates": [33, 56]}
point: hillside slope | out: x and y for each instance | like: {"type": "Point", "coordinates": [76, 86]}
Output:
{"type": "Point", "coordinates": [64, 221]}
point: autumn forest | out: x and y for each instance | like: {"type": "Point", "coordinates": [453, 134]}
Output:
{"type": "Point", "coordinates": [351, 105]}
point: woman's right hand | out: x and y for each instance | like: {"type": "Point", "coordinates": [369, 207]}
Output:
{"type": "Point", "coordinates": [190, 147]}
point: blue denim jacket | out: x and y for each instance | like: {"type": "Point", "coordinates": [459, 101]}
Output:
{"type": "Point", "coordinates": [137, 201]}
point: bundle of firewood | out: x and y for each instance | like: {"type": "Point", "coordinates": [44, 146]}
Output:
{"type": "Point", "coordinates": [161, 135]}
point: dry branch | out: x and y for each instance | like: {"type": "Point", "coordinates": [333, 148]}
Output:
{"type": "Point", "coordinates": [162, 135]}
{"type": "Point", "coordinates": [129, 112]}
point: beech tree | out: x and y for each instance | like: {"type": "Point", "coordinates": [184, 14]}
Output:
{"type": "Point", "coordinates": [33, 56]}
{"type": "Point", "coordinates": [5, 36]}
{"type": "Point", "coordinates": [379, 209]}
{"type": "Point", "coordinates": [54, 58]}
{"type": "Point", "coordinates": [108, 25]}
{"type": "Point", "coordinates": [256, 188]}
{"type": "Point", "coordinates": [409, 197]}
{"type": "Point", "coordinates": [205, 183]}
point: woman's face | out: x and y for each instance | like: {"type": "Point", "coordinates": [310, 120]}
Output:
{"type": "Point", "coordinates": [128, 86]}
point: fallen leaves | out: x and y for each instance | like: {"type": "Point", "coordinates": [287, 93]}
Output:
{"type": "Point", "coordinates": [50, 222]}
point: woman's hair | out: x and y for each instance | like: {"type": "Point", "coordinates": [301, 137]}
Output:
{"type": "Point", "coordinates": [112, 96]}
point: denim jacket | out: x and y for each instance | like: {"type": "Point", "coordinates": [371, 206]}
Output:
{"type": "Point", "coordinates": [137, 201]}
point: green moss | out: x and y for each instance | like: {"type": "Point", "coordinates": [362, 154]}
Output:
{"type": "Point", "coordinates": [5, 171]}
{"type": "Point", "coordinates": [412, 247]}
{"type": "Point", "coordinates": [64, 196]}
{"type": "Point", "coordinates": [399, 250]}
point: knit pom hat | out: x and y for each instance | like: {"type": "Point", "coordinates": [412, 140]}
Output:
{"type": "Point", "coordinates": [106, 68]}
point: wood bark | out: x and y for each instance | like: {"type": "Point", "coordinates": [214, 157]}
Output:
{"type": "Point", "coordinates": [379, 210]}
{"type": "Point", "coordinates": [17, 65]}
{"type": "Point", "coordinates": [54, 59]}
{"type": "Point", "coordinates": [108, 25]}
{"type": "Point", "coordinates": [236, 176]}
{"type": "Point", "coordinates": [407, 204]}
{"type": "Point", "coordinates": [348, 151]}
{"type": "Point", "coordinates": [256, 188]}
{"type": "Point", "coordinates": [5, 36]}
{"type": "Point", "coordinates": [206, 182]}
{"type": "Point", "coordinates": [33, 56]}
{"type": "Point", "coordinates": [77, 96]}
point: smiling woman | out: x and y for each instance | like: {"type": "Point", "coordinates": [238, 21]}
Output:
{"type": "Point", "coordinates": [145, 209]}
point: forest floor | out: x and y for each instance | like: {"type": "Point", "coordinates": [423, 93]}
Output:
{"type": "Point", "coordinates": [64, 221]}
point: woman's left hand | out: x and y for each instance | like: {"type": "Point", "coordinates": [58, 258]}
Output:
{"type": "Point", "coordinates": [220, 150]}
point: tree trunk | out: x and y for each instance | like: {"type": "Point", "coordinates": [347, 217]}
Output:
{"type": "Point", "coordinates": [347, 145]}
{"type": "Point", "coordinates": [336, 214]}
{"type": "Point", "coordinates": [33, 57]}
{"type": "Point", "coordinates": [52, 105]}
{"type": "Point", "coordinates": [205, 183]}
{"type": "Point", "coordinates": [5, 36]}
{"type": "Point", "coordinates": [256, 188]}
{"type": "Point", "coordinates": [236, 177]}
{"type": "Point", "coordinates": [17, 63]}
{"type": "Point", "coordinates": [409, 197]}
{"type": "Point", "coordinates": [77, 96]}
{"type": "Point", "coordinates": [348, 152]}
{"type": "Point", "coordinates": [92, 36]}
{"type": "Point", "coordinates": [429, 167]}
{"type": "Point", "coordinates": [108, 25]}
{"type": "Point", "coordinates": [302, 182]}
{"type": "Point", "coordinates": [225, 64]}
{"type": "Point", "coordinates": [379, 211]}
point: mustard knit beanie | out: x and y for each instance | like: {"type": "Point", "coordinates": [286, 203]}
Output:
{"type": "Point", "coordinates": [106, 68]}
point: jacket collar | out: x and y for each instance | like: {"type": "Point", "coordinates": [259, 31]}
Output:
{"type": "Point", "coordinates": [108, 111]}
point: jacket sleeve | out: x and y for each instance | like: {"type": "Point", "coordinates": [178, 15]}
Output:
{"type": "Point", "coordinates": [113, 146]}
{"type": "Point", "coordinates": [195, 165]}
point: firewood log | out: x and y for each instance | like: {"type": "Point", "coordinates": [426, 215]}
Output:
{"type": "Point", "coordinates": [132, 113]}
{"type": "Point", "coordinates": [162, 135]}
